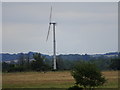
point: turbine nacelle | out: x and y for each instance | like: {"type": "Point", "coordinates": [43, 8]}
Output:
{"type": "Point", "coordinates": [53, 22]}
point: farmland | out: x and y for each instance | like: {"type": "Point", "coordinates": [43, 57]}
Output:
{"type": "Point", "coordinates": [58, 79]}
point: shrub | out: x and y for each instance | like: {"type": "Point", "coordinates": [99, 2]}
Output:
{"type": "Point", "coordinates": [87, 75]}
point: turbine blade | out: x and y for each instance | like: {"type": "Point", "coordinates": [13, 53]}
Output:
{"type": "Point", "coordinates": [49, 23]}
{"type": "Point", "coordinates": [48, 32]}
{"type": "Point", "coordinates": [50, 14]}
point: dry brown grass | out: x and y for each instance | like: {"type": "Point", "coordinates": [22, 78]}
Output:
{"type": "Point", "coordinates": [48, 80]}
{"type": "Point", "coordinates": [112, 78]}
{"type": "Point", "coordinates": [36, 78]}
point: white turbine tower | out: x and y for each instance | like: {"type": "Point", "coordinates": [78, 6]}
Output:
{"type": "Point", "coordinates": [54, 42]}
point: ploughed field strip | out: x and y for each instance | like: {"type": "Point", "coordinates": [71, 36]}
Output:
{"type": "Point", "coordinates": [60, 79]}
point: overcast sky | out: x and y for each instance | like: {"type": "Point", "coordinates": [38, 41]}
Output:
{"type": "Point", "coordinates": [81, 27]}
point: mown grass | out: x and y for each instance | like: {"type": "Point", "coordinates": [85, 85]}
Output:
{"type": "Point", "coordinates": [58, 79]}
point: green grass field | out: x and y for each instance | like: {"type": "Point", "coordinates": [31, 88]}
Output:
{"type": "Point", "coordinates": [61, 79]}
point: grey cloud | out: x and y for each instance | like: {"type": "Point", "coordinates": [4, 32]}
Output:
{"type": "Point", "coordinates": [81, 27]}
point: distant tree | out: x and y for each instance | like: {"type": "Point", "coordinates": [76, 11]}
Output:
{"type": "Point", "coordinates": [21, 59]}
{"type": "Point", "coordinates": [5, 67]}
{"type": "Point", "coordinates": [60, 64]}
{"type": "Point", "coordinates": [38, 64]}
{"type": "Point", "coordinates": [115, 64]}
{"type": "Point", "coordinates": [102, 64]}
{"type": "Point", "coordinates": [27, 62]}
{"type": "Point", "coordinates": [68, 64]}
{"type": "Point", "coordinates": [87, 75]}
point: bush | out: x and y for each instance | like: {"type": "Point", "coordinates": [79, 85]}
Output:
{"type": "Point", "coordinates": [87, 75]}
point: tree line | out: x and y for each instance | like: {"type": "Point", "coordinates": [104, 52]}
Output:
{"type": "Point", "coordinates": [25, 64]}
{"type": "Point", "coordinates": [40, 63]}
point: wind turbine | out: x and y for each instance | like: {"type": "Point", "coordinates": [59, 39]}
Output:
{"type": "Point", "coordinates": [54, 40]}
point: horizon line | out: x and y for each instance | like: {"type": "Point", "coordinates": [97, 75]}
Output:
{"type": "Point", "coordinates": [57, 54]}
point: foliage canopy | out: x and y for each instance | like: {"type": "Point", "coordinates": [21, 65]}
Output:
{"type": "Point", "coordinates": [87, 75]}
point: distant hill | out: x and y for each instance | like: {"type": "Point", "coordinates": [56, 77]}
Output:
{"type": "Point", "coordinates": [75, 57]}
{"type": "Point", "coordinates": [10, 57]}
